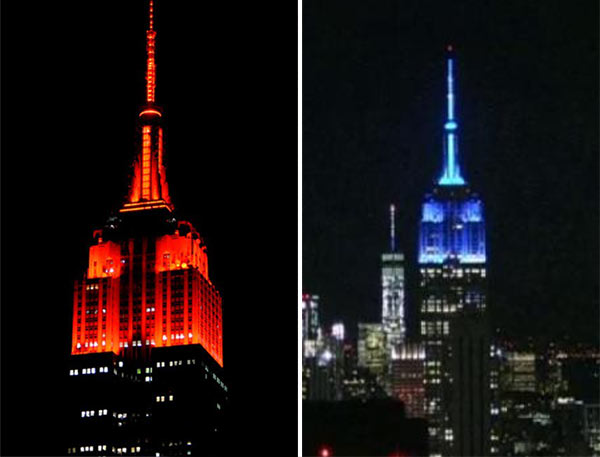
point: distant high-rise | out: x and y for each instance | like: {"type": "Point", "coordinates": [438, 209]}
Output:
{"type": "Point", "coordinates": [392, 291]}
{"type": "Point", "coordinates": [452, 304]}
{"type": "Point", "coordinates": [310, 323]}
{"type": "Point", "coordinates": [407, 373]}
{"type": "Point", "coordinates": [147, 335]}
{"type": "Point", "coordinates": [372, 351]}
{"type": "Point", "coordinates": [322, 354]}
{"type": "Point", "coordinates": [519, 375]}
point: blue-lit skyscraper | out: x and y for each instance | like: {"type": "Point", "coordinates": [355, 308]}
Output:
{"type": "Point", "coordinates": [452, 304]}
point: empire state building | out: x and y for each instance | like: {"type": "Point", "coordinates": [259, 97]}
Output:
{"type": "Point", "coordinates": [146, 365]}
{"type": "Point", "coordinates": [453, 304]}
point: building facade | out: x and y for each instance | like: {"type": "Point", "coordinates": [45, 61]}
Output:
{"type": "Point", "coordinates": [146, 366]}
{"type": "Point", "coordinates": [392, 291]}
{"type": "Point", "coordinates": [407, 378]}
{"type": "Point", "coordinates": [372, 351]}
{"type": "Point", "coordinates": [452, 302]}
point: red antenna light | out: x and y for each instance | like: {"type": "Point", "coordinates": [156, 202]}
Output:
{"type": "Point", "coordinates": [325, 452]}
{"type": "Point", "coordinates": [449, 48]}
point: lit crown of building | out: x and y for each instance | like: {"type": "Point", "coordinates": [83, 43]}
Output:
{"type": "Point", "coordinates": [147, 281]}
{"type": "Point", "coordinates": [452, 217]}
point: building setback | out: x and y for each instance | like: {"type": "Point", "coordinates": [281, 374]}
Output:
{"type": "Point", "coordinates": [146, 365]}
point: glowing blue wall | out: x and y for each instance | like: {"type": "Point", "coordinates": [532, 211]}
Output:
{"type": "Point", "coordinates": [452, 228]}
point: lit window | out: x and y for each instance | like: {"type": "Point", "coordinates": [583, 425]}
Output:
{"type": "Point", "coordinates": [120, 363]}
{"type": "Point", "coordinates": [170, 397]}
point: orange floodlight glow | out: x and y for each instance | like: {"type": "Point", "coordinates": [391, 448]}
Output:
{"type": "Point", "coordinates": [150, 49]}
{"type": "Point", "coordinates": [171, 301]}
{"type": "Point", "coordinates": [176, 303]}
{"type": "Point", "coordinates": [151, 111]}
{"type": "Point", "coordinates": [146, 162]}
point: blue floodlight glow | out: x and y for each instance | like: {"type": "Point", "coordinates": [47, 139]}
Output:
{"type": "Point", "coordinates": [452, 229]}
{"type": "Point", "coordinates": [452, 224]}
{"type": "Point", "coordinates": [451, 175]}
{"type": "Point", "coordinates": [450, 125]}
{"type": "Point", "coordinates": [471, 211]}
{"type": "Point", "coordinates": [433, 212]}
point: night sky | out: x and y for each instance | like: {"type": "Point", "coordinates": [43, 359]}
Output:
{"type": "Point", "coordinates": [527, 104]}
{"type": "Point", "coordinates": [72, 87]}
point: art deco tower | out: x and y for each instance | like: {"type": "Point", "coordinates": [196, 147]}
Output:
{"type": "Point", "coordinates": [147, 344]}
{"type": "Point", "coordinates": [452, 304]}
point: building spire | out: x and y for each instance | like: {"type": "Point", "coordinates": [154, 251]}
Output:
{"type": "Point", "coordinates": [150, 63]}
{"type": "Point", "coordinates": [149, 188]}
{"type": "Point", "coordinates": [392, 228]}
{"type": "Point", "coordinates": [451, 175]}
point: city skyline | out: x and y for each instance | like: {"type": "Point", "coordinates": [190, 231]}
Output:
{"type": "Point", "coordinates": [371, 140]}
{"type": "Point", "coordinates": [375, 126]}
{"type": "Point", "coordinates": [83, 70]}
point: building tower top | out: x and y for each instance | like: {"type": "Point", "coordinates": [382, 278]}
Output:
{"type": "Point", "coordinates": [392, 228]}
{"type": "Point", "coordinates": [451, 175]}
{"type": "Point", "coordinates": [148, 189]}
{"type": "Point", "coordinates": [150, 63]}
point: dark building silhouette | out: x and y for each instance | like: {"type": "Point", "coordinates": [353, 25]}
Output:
{"type": "Point", "coordinates": [375, 427]}
{"type": "Point", "coordinates": [470, 371]}
{"type": "Point", "coordinates": [146, 367]}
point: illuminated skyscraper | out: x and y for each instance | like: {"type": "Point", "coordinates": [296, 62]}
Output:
{"type": "Point", "coordinates": [322, 354]}
{"type": "Point", "coordinates": [407, 368]}
{"type": "Point", "coordinates": [452, 304]}
{"type": "Point", "coordinates": [147, 336]}
{"type": "Point", "coordinates": [392, 291]}
{"type": "Point", "coordinates": [372, 351]}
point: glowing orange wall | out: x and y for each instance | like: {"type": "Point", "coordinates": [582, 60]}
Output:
{"type": "Point", "coordinates": [174, 304]}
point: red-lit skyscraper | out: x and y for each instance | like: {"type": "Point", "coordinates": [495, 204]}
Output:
{"type": "Point", "coordinates": [147, 345]}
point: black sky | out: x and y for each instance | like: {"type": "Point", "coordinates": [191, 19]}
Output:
{"type": "Point", "coordinates": [72, 86]}
{"type": "Point", "coordinates": [527, 102]}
